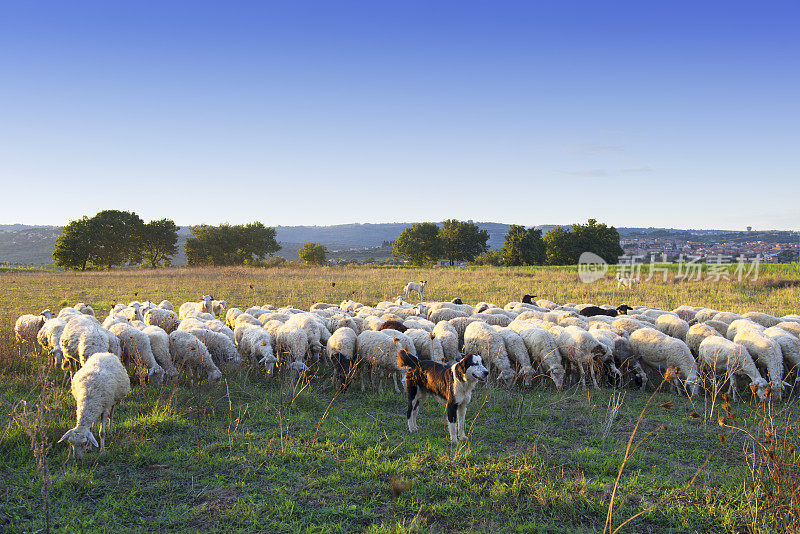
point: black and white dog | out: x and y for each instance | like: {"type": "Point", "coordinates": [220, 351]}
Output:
{"type": "Point", "coordinates": [449, 383]}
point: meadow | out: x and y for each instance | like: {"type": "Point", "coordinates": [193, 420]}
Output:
{"type": "Point", "coordinates": [256, 455]}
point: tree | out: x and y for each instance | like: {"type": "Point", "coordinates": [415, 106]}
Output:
{"type": "Point", "coordinates": [115, 238]}
{"type": "Point", "coordinates": [523, 247]}
{"type": "Point", "coordinates": [490, 257]}
{"type": "Point", "coordinates": [565, 247]}
{"type": "Point", "coordinates": [159, 242]}
{"type": "Point", "coordinates": [230, 245]}
{"type": "Point", "coordinates": [313, 253]}
{"type": "Point", "coordinates": [462, 241]}
{"type": "Point", "coordinates": [73, 246]}
{"type": "Point", "coordinates": [419, 244]}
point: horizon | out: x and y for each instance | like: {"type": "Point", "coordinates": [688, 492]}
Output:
{"type": "Point", "coordinates": [317, 113]}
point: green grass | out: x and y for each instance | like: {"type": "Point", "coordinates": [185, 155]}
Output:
{"type": "Point", "coordinates": [248, 455]}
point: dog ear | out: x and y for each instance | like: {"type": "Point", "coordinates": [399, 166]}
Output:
{"type": "Point", "coordinates": [461, 368]}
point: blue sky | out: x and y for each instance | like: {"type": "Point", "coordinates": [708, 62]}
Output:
{"type": "Point", "coordinates": [682, 114]}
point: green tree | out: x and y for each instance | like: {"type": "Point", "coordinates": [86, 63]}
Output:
{"type": "Point", "coordinates": [115, 238]}
{"type": "Point", "coordinates": [462, 241]}
{"type": "Point", "coordinates": [419, 244]}
{"type": "Point", "coordinates": [159, 242]}
{"type": "Point", "coordinates": [565, 247]}
{"type": "Point", "coordinates": [230, 245]}
{"type": "Point", "coordinates": [313, 253]}
{"type": "Point", "coordinates": [523, 246]}
{"type": "Point", "coordinates": [73, 246]}
{"type": "Point", "coordinates": [490, 257]}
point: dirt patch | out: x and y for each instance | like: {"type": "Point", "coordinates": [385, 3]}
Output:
{"type": "Point", "coordinates": [215, 501]}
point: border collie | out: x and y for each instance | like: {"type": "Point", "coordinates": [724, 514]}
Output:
{"type": "Point", "coordinates": [449, 383]}
{"type": "Point", "coordinates": [591, 311]}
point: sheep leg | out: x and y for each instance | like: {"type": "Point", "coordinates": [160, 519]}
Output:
{"type": "Point", "coordinates": [732, 387]}
{"type": "Point", "coordinates": [394, 379]}
{"type": "Point", "coordinates": [583, 375]}
{"type": "Point", "coordinates": [591, 372]}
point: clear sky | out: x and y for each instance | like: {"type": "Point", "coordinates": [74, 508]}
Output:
{"type": "Point", "coordinates": [641, 113]}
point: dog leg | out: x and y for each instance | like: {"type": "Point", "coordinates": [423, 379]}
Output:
{"type": "Point", "coordinates": [452, 416]}
{"type": "Point", "coordinates": [462, 412]}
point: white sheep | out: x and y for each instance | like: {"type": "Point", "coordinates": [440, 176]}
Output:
{"type": "Point", "coordinates": [418, 288]}
{"type": "Point", "coordinates": [789, 344]}
{"type": "Point", "coordinates": [542, 349]}
{"type": "Point", "coordinates": [315, 331]}
{"type": "Point", "coordinates": [764, 319]}
{"type": "Point", "coordinates": [483, 340]}
{"type": "Point", "coordinates": [426, 344]}
{"type": "Point", "coordinates": [738, 325]}
{"type": "Point", "coordinates": [166, 305]}
{"type": "Point", "coordinates": [790, 326]}
{"type": "Point", "coordinates": [190, 354]}
{"type": "Point", "coordinates": [726, 317]}
{"type": "Point", "coordinates": [379, 350]}
{"type": "Point", "coordinates": [419, 323]}
{"type": "Point", "coordinates": [696, 334]}
{"type": "Point", "coordinates": [220, 346]}
{"type": "Point", "coordinates": [661, 351]}
{"type": "Point", "coordinates": [231, 315]}
{"type": "Point", "coordinates": [203, 305]}
{"type": "Point", "coordinates": [67, 314]}
{"type": "Point", "coordinates": [98, 386]}
{"type": "Point", "coordinates": [167, 320]}
{"type": "Point", "coordinates": [159, 344]}
{"type": "Point", "coordinates": [516, 349]}
{"type": "Point", "coordinates": [82, 337]}
{"type": "Point", "coordinates": [724, 355]}
{"type": "Point", "coordinates": [629, 324]}
{"type": "Point", "coordinates": [672, 325]}
{"type": "Point", "coordinates": [27, 327]}
{"type": "Point", "coordinates": [84, 308]}
{"type": "Point", "coordinates": [49, 338]}
{"type": "Point", "coordinates": [255, 344]}
{"type": "Point", "coordinates": [245, 318]}
{"type": "Point", "coordinates": [582, 349]}
{"type": "Point", "coordinates": [341, 350]}
{"type": "Point", "coordinates": [447, 335]}
{"type": "Point", "coordinates": [292, 344]}
{"type": "Point", "coordinates": [217, 306]}
{"type": "Point", "coordinates": [136, 350]}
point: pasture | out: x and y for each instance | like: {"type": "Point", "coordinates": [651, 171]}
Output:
{"type": "Point", "coordinates": [256, 455]}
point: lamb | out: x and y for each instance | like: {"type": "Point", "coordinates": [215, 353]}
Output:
{"type": "Point", "coordinates": [742, 324]}
{"type": "Point", "coordinates": [190, 354]}
{"type": "Point", "coordinates": [49, 338]}
{"type": "Point", "coordinates": [82, 337]}
{"type": "Point", "coordinates": [673, 326]}
{"type": "Point", "coordinates": [136, 349]}
{"type": "Point", "coordinates": [379, 350]}
{"type": "Point", "coordinates": [27, 326]}
{"type": "Point", "coordinates": [292, 343]}
{"type": "Point", "coordinates": [543, 351]}
{"type": "Point", "coordinates": [203, 305]}
{"type": "Point", "coordinates": [724, 355]}
{"type": "Point", "coordinates": [159, 344]}
{"type": "Point", "coordinates": [448, 337]}
{"type": "Point", "coordinates": [167, 320]}
{"type": "Point", "coordinates": [342, 352]}
{"type": "Point", "coordinates": [98, 386]}
{"type": "Point", "coordinates": [245, 318]}
{"type": "Point", "coordinates": [231, 315]}
{"type": "Point", "coordinates": [426, 344]}
{"type": "Point", "coordinates": [418, 288]}
{"type": "Point", "coordinates": [581, 348]}
{"type": "Point", "coordinates": [67, 314]}
{"type": "Point", "coordinates": [255, 344]}
{"type": "Point", "coordinates": [790, 347]}
{"type": "Point", "coordinates": [215, 325]}
{"type": "Point", "coordinates": [661, 351]}
{"type": "Point", "coordinates": [217, 306]}
{"type": "Point", "coordinates": [317, 334]}
{"type": "Point", "coordinates": [255, 311]}
{"type": "Point", "coordinates": [517, 350]}
{"type": "Point", "coordinates": [696, 334]}
{"type": "Point", "coordinates": [481, 339]}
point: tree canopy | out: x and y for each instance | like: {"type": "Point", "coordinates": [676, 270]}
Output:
{"type": "Point", "coordinates": [462, 241]}
{"type": "Point", "coordinates": [313, 253]}
{"type": "Point", "coordinates": [230, 244]}
{"type": "Point", "coordinates": [523, 246]}
{"type": "Point", "coordinates": [564, 247]}
{"type": "Point", "coordinates": [419, 244]}
{"type": "Point", "coordinates": [73, 246]}
{"type": "Point", "coordinates": [159, 242]}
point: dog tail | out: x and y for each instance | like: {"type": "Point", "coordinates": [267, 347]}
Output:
{"type": "Point", "coordinates": [406, 360]}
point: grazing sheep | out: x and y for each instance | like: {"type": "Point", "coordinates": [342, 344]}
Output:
{"type": "Point", "coordinates": [342, 352]}
{"type": "Point", "coordinates": [543, 351]}
{"type": "Point", "coordinates": [696, 334]}
{"type": "Point", "coordinates": [724, 355]}
{"type": "Point", "coordinates": [623, 357]}
{"type": "Point", "coordinates": [167, 320]}
{"type": "Point", "coordinates": [448, 337]}
{"type": "Point", "coordinates": [67, 314]}
{"type": "Point", "coordinates": [687, 313]}
{"type": "Point", "coordinates": [189, 354]}
{"type": "Point", "coordinates": [27, 327]}
{"type": "Point", "coordinates": [629, 324]}
{"type": "Point", "coordinates": [764, 319]}
{"type": "Point", "coordinates": [516, 349]}
{"type": "Point", "coordinates": [790, 347]}
{"type": "Point", "coordinates": [419, 323]}
{"type": "Point", "coordinates": [791, 327]}
{"type": "Point", "coordinates": [98, 386]}
{"type": "Point", "coordinates": [245, 318]}
{"type": "Point", "coordinates": [166, 305]}
{"type": "Point", "coordinates": [405, 342]}
{"type": "Point", "coordinates": [426, 344]}
{"type": "Point", "coordinates": [220, 346]}
{"type": "Point", "coordinates": [672, 325]}
{"type": "Point", "coordinates": [255, 344]}
{"type": "Point", "coordinates": [136, 350]}
{"type": "Point", "coordinates": [445, 314]}
{"type": "Point", "coordinates": [231, 315]}
{"type": "Point", "coordinates": [705, 314]}
{"type": "Point", "coordinates": [159, 344]}
{"type": "Point", "coordinates": [84, 308]}
{"type": "Point", "coordinates": [418, 288]}
{"type": "Point", "coordinates": [316, 333]}
{"type": "Point", "coordinates": [49, 338]}
{"type": "Point", "coordinates": [492, 319]}
{"type": "Point", "coordinates": [379, 350]}
{"type": "Point", "coordinates": [292, 343]}
{"type": "Point", "coordinates": [581, 348]}
{"type": "Point", "coordinates": [726, 317]}
{"type": "Point", "coordinates": [661, 351]}
{"type": "Point", "coordinates": [203, 305]}
{"type": "Point", "coordinates": [483, 340]}
{"type": "Point", "coordinates": [82, 337]}
{"type": "Point", "coordinates": [742, 324]}
{"type": "Point", "coordinates": [719, 326]}
{"type": "Point", "coordinates": [215, 325]}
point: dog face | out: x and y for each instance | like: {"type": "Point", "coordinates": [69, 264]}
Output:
{"type": "Point", "coordinates": [623, 309]}
{"type": "Point", "coordinates": [471, 368]}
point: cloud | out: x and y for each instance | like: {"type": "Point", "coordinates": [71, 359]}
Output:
{"type": "Point", "coordinates": [585, 173]}
{"type": "Point", "coordinates": [640, 168]}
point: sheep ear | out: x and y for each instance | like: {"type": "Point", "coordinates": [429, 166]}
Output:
{"type": "Point", "coordinates": [65, 436]}
{"type": "Point", "coordinates": [92, 440]}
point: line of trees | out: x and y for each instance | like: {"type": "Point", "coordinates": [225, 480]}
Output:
{"type": "Point", "coordinates": [239, 244]}
{"type": "Point", "coordinates": [425, 243]}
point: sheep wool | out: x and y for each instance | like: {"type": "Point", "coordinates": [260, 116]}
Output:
{"type": "Point", "coordinates": [661, 351]}
{"type": "Point", "coordinates": [190, 354]}
{"type": "Point", "coordinates": [732, 358]}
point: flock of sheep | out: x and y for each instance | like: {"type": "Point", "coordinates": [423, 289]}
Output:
{"type": "Point", "coordinates": [521, 342]}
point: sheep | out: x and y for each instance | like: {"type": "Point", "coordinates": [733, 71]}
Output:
{"type": "Point", "coordinates": [231, 315]}
{"type": "Point", "coordinates": [98, 386]}
{"type": "Point", "coordinates": [166, 305]}
{"type": "Point", "coordinates": [704, 314]}
{"type": "Point", "coordinates": [726, 317]}
{"type": "Point", "coordinates": [136, 349]}
{"type": "Point", "coordinates": [448, 337]}
{"type": "Point", "coordinates": [27, 327]}
{"type": "Point", "coordinates": [581, 348]}
{"type": "Point", "coordinates": [696, 334]}
{"type": "Point", "coordinates": [445, 314]}
{"type": "Point", "coordinates": [790, 347]}
{"type": "Point", "coordinates": [419, 323]}
{"type": "Point", "coordinates": [203, 305]}
{"type": "Point", "coordinates": [406, 343]}
{"type": "Point", "coordinates": [764, 319]}
{"type": "Point", "coordinates": [220, 346]}
{"type": "Point", "coordinates": [481, 339]}
{"type": "Point", "coordinates": [719, 326]}
{"type": "Point", "coordinates": [461, 324]}
{"type": "Point", "coordinates": [426, 344]}
{"type": "Point", "coordinates": [82, 337]}
{"type": "Point", "coordinates": [672, 325]}
{"type": "Point", "coordinates": [167, 320]}
{"type": "Point", "coordinates": [418, 288]}
{"type": "Point", "coordinates": [724, 355]}
{"type": "Point", "coordinates": [544, 303]}
{"type": "Point", "coordinates": [379, 350]}
{"type": "Point", "coordinates": [49, 338]}
{"type": "Point", "coordinates": [317, 334]}
{"type": "Point", "coordinates": [190, 354]}
{"type": "Point", "coordinates": [342, 352]}
{"type": "Point", "coordinates": [661, 351]}
{"type": "Point", "coordinates": [132, 313]}
{"type": "Point", "coordinates": [622, 355]}
{"type": "Point", "coordinates": [574, 321]}
{"type": "Point", "coordinates": [791, 327]}
{"type": "Point", "coordinates": [159, 344]}
{"type": "Point", "coordinates": [84, 308]}
{"type": "Point", "coordinates": [491, 319]}
{"type": "Point", "coordinates": [742, 324]}
{"type": "Point", "coordinates": [215, 325]}
{"type": "Point", "coordinates": [67, 314]}
{"type": "Point", "coordinates": [323, 306]}
{"type": "Point", "coordinates": [292, 343]}
{"type": "Point", "coordinates": [516, 349]}
{"type": "Point", "coordinates": [255, 344]}
{"type": "Point", "coordinates": [543, 351]}
{"type": "Point", "coordinates": [687, 313]}
{"type": "Point", "coordinates": [217, 306]}
{"type": "Point", "coordinates": [245, 318]}
{"type": "Point", "coordinates": [628, 324]}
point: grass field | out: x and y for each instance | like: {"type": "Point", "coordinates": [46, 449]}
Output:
{"type": "Point", "coordinates": [253, 455]}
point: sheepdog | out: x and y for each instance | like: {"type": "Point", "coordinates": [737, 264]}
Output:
{"type": "Point", "coordinates": [591, 311]}
{"type": "Point", "coordinates": [626, 281]}
{"type": "Point", "coordinates": [451, 384]}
